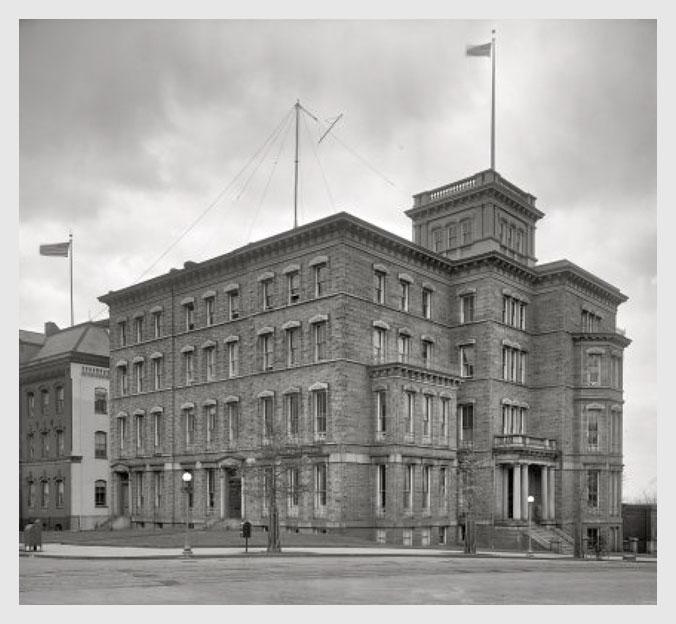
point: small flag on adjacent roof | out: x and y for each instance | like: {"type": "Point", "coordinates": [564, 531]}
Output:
{"type": "Point", "coordinates": [479, 50]}
{"type": "Point", "coordinates": [55, 249]}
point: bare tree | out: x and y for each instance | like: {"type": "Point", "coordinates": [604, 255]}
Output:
{"type": "Point", "coordinates": [472, 492]}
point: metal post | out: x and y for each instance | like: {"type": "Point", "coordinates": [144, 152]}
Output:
{"type": "Point", "coordinates": [530, 543]}
{"type": "Point", "coordinates": [187, 551]}
{"type": "Point", "coordinates": [493, 106]}
{"type": "Point", "coordinates": [70, 249]}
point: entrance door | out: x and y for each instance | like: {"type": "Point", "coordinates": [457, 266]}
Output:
{"type": "Point", "coordinates": [123, 501]}
{"type": "Point", "coordinates": [235, 497]}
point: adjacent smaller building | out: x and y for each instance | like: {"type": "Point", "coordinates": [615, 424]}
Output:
{"type": "Point", "coordinates": [640, 521]}
{"type": "Point", "coordinates": [63, 426]}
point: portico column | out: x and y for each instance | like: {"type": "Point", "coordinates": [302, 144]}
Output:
{"type": "Point", "coordinates": [516, 493]}
{"type": "Point", "coordinates": [497, 480]}
{"type": "Point", "coordinates": [221, 474]}
{"type": "Point", "coordinates": [505, 491]}
{"type": "Point", "coordinates": [524, 491]}
{"type": "Point", "coordinates": [544, 496]}
{"type": "Point", "coordinates": [552, 493]}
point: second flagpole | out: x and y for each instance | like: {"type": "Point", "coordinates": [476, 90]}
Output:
{"type": "Point", "coordinates": [70, 249]}
{"type": "Point", "coordinates": [493, 106]}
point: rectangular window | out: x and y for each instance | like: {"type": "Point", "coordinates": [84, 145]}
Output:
{"type": "Point", "coordinates": [381, 412]}
{"type": "Point", "coordinates": [615, 372]}
{"type": "Point", "coordinates": [233, 358]}
{"type": "Point", "coordinates": [100, 494]}
{"type": "Point", "coordinates": [100, 444]}
{"type": "Point", "coordinates": [31, 445]}
{"type": "Point", "coordinates": [427, 303]}
{"type": "Point", "coordinates": [60, 399]}
{"type": "Point", "coordinates": [467, 361]}
{"type": "Point", "coordinates": [404, 348]}
{"type": "Point", "coordinates": [189, 311]}
{"type": "Point", "coordinates": [210, 310]}
{"type": "Point", "coordinates": [320, 279]}
{"type": "Point", "coordinates": [122, 432]}
{"type": "Point", "coordinates": [293, 286]}
{"type": "Point", "coordinates": [426, 482]}
{"type": "Point", "coordinates": [445, 418]}
{"type": "Point", "coordinates": [437, 240]}
{"type": "Point", "coordinates": [513, 312]}
{"type": "Point", "coordinates": [292, 346]}
{"type": "Point", "coordinates": [210, 363]}
{"type": "Point", "coordinates": [211, 487]}
{"type": "Point", "coordinates": [156, 365]}
{"type": "Point", "coordinates": [513, 365]}
{"type": "Point", "coordinates": [157, 429]}
{"type": "Point", "coordinates": [139, 432]}
{"type": "Point", "coordinates": [45, 401]}
{"type": "Point", "coordinates": [188, 367]}
{"type": "Point", "coordinates": [190, 426]}
{"type": "Point", "coordinates": [233, 305]}
{"type": "Point", "coordinates": [593, 488]}
{"type": "Point", "coordinates": [210, 417]}
{"type": "Point", "coordinates": [404, 297]}
{"type": "Point", "coordinates": [466, 232]}
{"type": "Point", "coordinates": [467, 308]}
{"type": "Point", "coordinates": [60, 443]}
{"type": "Point", "coordinates": [292, 478]}
{"type": "Point", "coordinates": [123, 381]}
{"type": "Point", "coordinates": [379, 287]}
{"type": "Point", "coordinates": [427, 415]}
{"type": "Point", "coordinates": [320, 485]}
{"type": "Point", "coordinates": [381, 486]}
{"type": "Point", "coordinates": [100, 401]}
{"type": "Point", "coordinates": [592, 430]}
{"type": "Point", "coordinates": [408, 413]}
{"type": "Point", "coordinates": [379, 345]}
{"type": "Point", "coordinates": [138, 329]}
{"type": "Point", "coordinates": [233, 421]}
{"type": "Point", "coordinates": [266, 294]}
{"type": "Point", "coordinates": [31, 405]}
{"type": "Point", "coordinates": [60, 493]}
{"type": "Point", "coordinates": [466, 424]}
{"type": "Point", "coordinates": [408, 490]}
{"type": "Point", "coordinates": [452, 236]}
{"type": "Point", "coordinates": [44, 439]}
{"type": "Point", "coordinates": [594, 369]}
{"type": "Point", "coordinates": [427, 352]}
{"type": "Point", "coordinates": [291, 413]}
{"type": "Point", "coordinates": [590, 322]}
{"type": "Point", "coordinates": [138, 486]}
{"type": "Point", "coordinates": [513, 420]}
{"type": "Point", "coordinates": [122, 333]}
{"type": "Point", "coordinates": [320, 405]}
{"type": "Point", "coordinates": [138, 376]}
{"type": "Point", "coordinates": [31, 494]}
{"type": "Point", "coordinates": [158, 486]}
{"type": "Point", "coordinates": [44, 494]}
{"type": "Point", "coordinates": [443, 487]}
{"type": "Point", "coordinates": [319, 335]}
{"type": "Point", "coordinates": [157, 324]}
{"type": "Point", "coordinates": [265, 352]}
{"type": "Point", "coordinates": [267, 417]}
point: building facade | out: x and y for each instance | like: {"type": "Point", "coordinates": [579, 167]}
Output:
{"type": "Point", "coordinates": [391, 388]}
{"type": "Point", "coordinates": [63, 427]}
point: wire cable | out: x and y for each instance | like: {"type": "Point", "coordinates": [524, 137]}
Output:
{"type": "Point", "coordinates": [321, 169]}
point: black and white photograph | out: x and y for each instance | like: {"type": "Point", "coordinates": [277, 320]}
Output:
{"type": "Point", "coordinates": [337, 311]}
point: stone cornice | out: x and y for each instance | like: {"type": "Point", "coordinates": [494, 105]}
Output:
{"type": "Point", "coordinates": [564, 270]}
{"type": "Point", "coordinates": [414, 373]}
{"type": "Point", "coordinates": [59, 365]}
{"type": "Point", "coordinates": [613, 338]}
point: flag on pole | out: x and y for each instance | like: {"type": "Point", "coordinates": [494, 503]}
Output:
{"type": "Point", "coordinates": [479, 50]}
{"type": "Point", "coordinates": [55, 249]}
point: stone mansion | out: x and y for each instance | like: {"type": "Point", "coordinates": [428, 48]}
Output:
{"type": "Point", "coordinates": [373, 364]}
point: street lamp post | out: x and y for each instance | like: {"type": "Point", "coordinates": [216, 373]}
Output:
{"type": "Point", "coordinates": [530, 513]}
{"type": "Point", "coordinates": [187, 488]}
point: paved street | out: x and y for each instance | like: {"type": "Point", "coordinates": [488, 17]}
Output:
{"type": "Point", "coordinates": [335, 580]}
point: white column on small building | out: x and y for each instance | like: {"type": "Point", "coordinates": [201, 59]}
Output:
{"type": "Point", "coordinates": [544, 496]}
{"type": "Point", "coordinates": [516, 492]}
{"type": "Point", "coordinates": [524, 491]}
{"type": "Point", "coordinates": [221, 474]}
{"type": "Point", "coordinates": [505, 491]}
{"type": "Point", "coordinates": [552, 492]}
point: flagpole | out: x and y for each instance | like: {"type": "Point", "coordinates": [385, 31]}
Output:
{"type": "Point", "coordinates": [70, 249]}
{"type": "Point", "coordinates": [493, 106]}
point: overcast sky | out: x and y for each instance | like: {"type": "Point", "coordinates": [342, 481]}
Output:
{"type": "Point", "coordinates": [130, 130]}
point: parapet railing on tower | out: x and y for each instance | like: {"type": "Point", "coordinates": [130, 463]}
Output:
{"type": "Point", "coordinates": [478, 180]}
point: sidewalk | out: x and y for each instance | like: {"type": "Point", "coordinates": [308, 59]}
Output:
{"type": "Point", "coordinates": [71, 551]}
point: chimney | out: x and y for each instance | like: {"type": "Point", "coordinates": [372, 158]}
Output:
{"type": "Point", "coordinates": [51, 329]}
